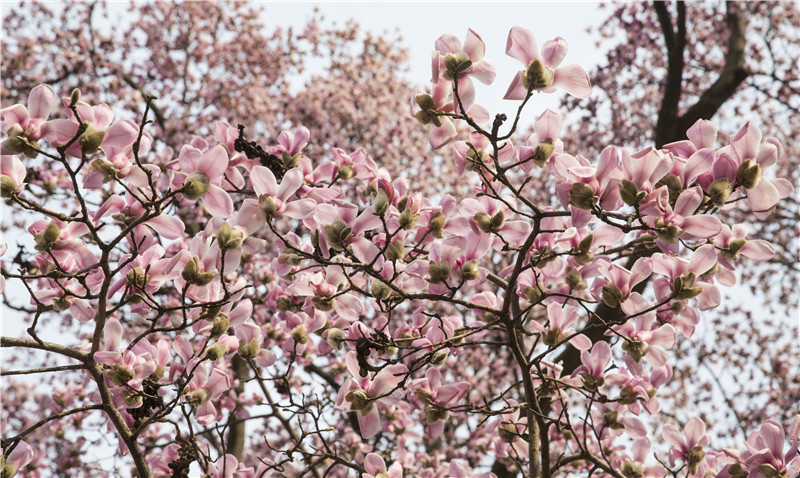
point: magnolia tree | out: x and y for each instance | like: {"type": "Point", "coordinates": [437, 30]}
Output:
{"type": "Point", "coordinates": [240, 308]}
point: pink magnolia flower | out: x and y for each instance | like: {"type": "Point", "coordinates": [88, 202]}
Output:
{"type": "Point", "coordinates": [764, 450]}
{"type": "Point", "coordinates": [562, 320]}
{"type": "Point", "coordinates": [376, 468]}
{"type": "Point", "coordinates": [680, 222]}
{"type": "Point", "coordinates": [204, 390]}
{"type": "Point", "coordinates": [434, 398]}
{"type": "Point", "coordinates": [593, 365]}
{"type": "Point", "coordinates": [731, 243]}
{"type": "Point", "coordinates": [274, 199]}
{"type": "Point", "coordinates": [645, 340]}
{"type": "Point", "coordinates": [18, 458]}
{"type": "Point", "coordinates": [23, 124]}
{"type": "Point", "coordinates": [451, 58]}
{"type": "Point", "coordinates": [365, 395]}
{"type": "Point", "coordinates": [12, 175]}
{"type": "Point", "coordinates": [228, 467]}
{"type": "Point", "coordinates": [201, 175]}
{"type": "Point", "coordinates": [99, 133]}
{"type": "Point", "coordinates": [542, 69]}
{"type": "Point", "coordinates": [544, 143]}
{"type": "Point", "coordinates": [688, 446]}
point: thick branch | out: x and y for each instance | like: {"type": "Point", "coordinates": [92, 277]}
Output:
{"type": "Point", "coordinates": [676, 44]}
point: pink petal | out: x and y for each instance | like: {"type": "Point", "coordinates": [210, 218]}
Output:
{"type": "Point", "coordinates": [553, 52]}
{"type": "Point", "coordinates": [581, 342]}
{"type": "Point", "coordinates": [112, 333]}
{"type": "Point", "coordinates": [474, 46]}
{"type": "Point", "coordinates": [702, 225]}
{"type": "Point", "coordinates": [442, 135]}
{"type": "Point", "coordinates": [521, 45]}
{"type": "Point", "coordinates": [387, 379]}
{"type": "Point", "coordinates": [214, 162]}
{"type": "Point", "coordinates": [300, 209]}
{"type": "Point", "coordinates": [121, 134]}
{"type": "Point", "coordinates": [217, 202]}
{"type": "Point", "coordinates": [758, 250]}
{"type": "Point", "coordinates": [264, 181]}
{"type": "Point", "coordinates": [484, 71]}
{"type": "Point", "coordinates": [746, 142]}
{"type": "Point", "coordinates": [516, 90]}
{"type": "Point", "coordinates": [16, 114]}
{"type": "Point", "coordinates": [41, 101]}
{"type": "Point", "coordinates": [374, 463]}
{"type": "Point", "coordinates": [448, 44]}
{"type": "Point", "coordinates": [370, 424]}
{"type": "Point", "coordinates": [694, 430]}
{"type": "Point", "coordinates": [170, 227]}
{"type": "Point", "coordinates": [290, 183]}
{"type": "Point", "coordinates": [574, 80]}
{"type": "Point", "coordinates": [548, 125]}
{"type": "Point", "coordinates": [764, 196]}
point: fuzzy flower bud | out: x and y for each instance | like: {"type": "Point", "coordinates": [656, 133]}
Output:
{"type": "Point", "coordinates": [7, 186]}
{"type": "Point", "coordinates": [48, 237]}
{"type": "Point", "coordinates": [636, 349]}
{"type": "Point", "coordinates": [440, 356]}
{"type": "Point", "coordinates": [408, 219]}
{"type": "Point", "coordinates": [120, 374]}
{"type": "Point", "coordinates": [137, 277]}
{"type": "Point", "coordinates": [575, 280]}
{"type": "Point", "coordinates": [696, 456]}
{"type": "Point", "coordinates": [434, 413]}
{"type": "Point", "coordinates": [748, 175]}
{"type": "Point", "coordinates": [346, 171]}
{"type": "Point", "coordinates": [216, 351]}
{"type": "Point", "coordinates": [381, 203]}
{"type": "Point", "coordinates": [475, 158]}
{"type": "Point", "coordinates": [220, 325]}
{"type": "Point", "coordinates": [380, 290]}
{"type": "Point", "coordinates": [632, 469]}
{"type": "Point", "coordinates": [455, 64]}
{"type": "Point", "coordinates": [267, 204]}
{"type": "Point", "coordinates": [732, 251]}
{"type": "Point", "coordinates": [630, 193]}
{"type": "Point", "coordinates": [438, 272]}
{"type": "Point", "coordinates": [469, 271]}
{"type": "Point", "coordinates": [719, 191]}
{"type": "Point", "coordinates": [612, 295]}
{"type": "Point", "coordinates": [229, 237]}
{"type": "Point", "coordinates": [335, 338]}
{"type": "Point", "coordinates": [337, 234]}
{"type": "Point", "coordinates": [248, 350]}
{"type": "Point", "coordinates": [323, 304]}
{"type": "Point", "coordinates": [582, 196]}
{"type": "Point", "coordinates": [537, 76]}
{"type": "Point", "coordinates": [436, 224]}
{"type": "Point", "coordinates": [91, 139]}
{"type": "Point", "coordinates": [544, 150]}
{"type": "Point", "coordinates": [299, 334]}
{"type": "Point", "coordinates": [359, 401]}
{"type": "Point", "coordinates": [104, 167]}
{"type": "Point", "coordinates": [192, 275]}
{"type": "Point", "coordinates": [196, 185]}
{"type": "Point", "coordinates": [201, 395]}
{"type": "Point", "coordinates": [396, 250]}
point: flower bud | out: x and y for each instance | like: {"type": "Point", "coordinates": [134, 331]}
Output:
{"type": "Point", "coordinates": [424, 101]}
{"type": "Point", "coordinates": [683, 287]}
{"type": "Point", "coordinates": [9, 469]}
{"type": "Point", "coordinates": [424, 395]}
{"type": "Point", "coordinates": [552, 337]}
{"type": "Point", "coordinates": [434, 413]}
{"type": "Point", "coordinates": [192, 275]}
{"type": "Point", "coordinates": [674, 186]}
{"type": "Point", "coordinates": [610, 419]}
{"type": "Point", "coordinates": [201, 395]}
{"type": "Point", "coordinates": [220, 326]}
{"type": "Point", "coordinates": [132, 399]}
{"type": "Point", "coordinates": [438, 271]}
{"type": "Point", "coordinates": [91, 139]}
{"type": "Point", "coordinates": [667, 231]}
{"type": "Point", "coordinates": [469, 271]}
{"type": "Point", "coordinates": [359, 401]}
{"type": "Point", "coordinates": [346, 171]}
{"type": "Point", "coordinates": [767, 471]}
{"type": "Point", "coordinates": [120, 374]}
{"type": "Point", "coordinates": [508, 432]}
{"type": "Point", "coordinates": [408, 219]}
{"type": "Point", "coordinates": [229, 237]}
{"type": "Point", "coordinates": [677, 306]}
{"type": "Point", "coordinates": [48, 237]}
{"type": "Point", "coordinates": [323, 304]}
{"type": "Point", "coordinates": [612, 295]}
{"type": "Point", "coordinates": [427, 117]}
{"type": "Point", "coordinates": [381, 204]}
{"type": "Point", "coordinates": [216, 351]}
{"type": "Point", "coordinates": [696, 456]}
{"type": "Point", "coordinates": [455, 64]}
{"type": "Point", "coordinates": [8, 186]}
{"type": "Point", "coordinates": [537, 76]}
{"type": "Point", "coordinates": [337, 234]}
{"type": "Point", "coordinates": [719, 191]}
{"type": "Point", "coordinates": [591, 383]}
{"type": "Point", "coordinates": [544, 150]}
{"type": "Point", "coordinates": [104, 167]}
{"type": "Point", "coordinates": [18, 143]}
{"type": "Point", "coordinates": [267, 204]}
{"type": "Point", "coordinates": [636, 349]}
{"type": "Point", "coordinates": [736, 471]}
{"type": "Point", "coordinates": [732, 251]}
{"type": "Point", "coordinates": [75, 96]}
{"type": "Point", "coordinates": [158, 373]}
{"type": "Point", "coordinates": [632, 469]}
{"type": "Point", "coordinates": [299, 334]}
{"type": "Point", "coordinates": [533, 294]}
{"type": "Point", "coordinates": [630, 193]}
{"type": "Point", "coordinates": [380, 290]}
{"type": "Point", "coordinates": [475, 158]}
{"type": "Point", "coordinates": [248, 350]}
{"type": "Point", "coordinates": [137, 277]}
{"type": "Point", "coordinates": [575, 280]}
{"type": "Point", "coordinates": [484, 221]}
{"type": "Point", "coordinates": [748, 175]}
{"type": "Point", "coordinates": [335, 338]}
{"type": "Point", "coordinates": [196, 185]}
{"type": "Point", "coordinates": [581, 195]}
{"type": "Point", "coordinates": [584, 255]}
{"type": "Point", "coordinates": [436, 224]}
{"type": "Point", "coordinates": [440, 356]}
{"type": "Point", "coordinates": [396, 250]}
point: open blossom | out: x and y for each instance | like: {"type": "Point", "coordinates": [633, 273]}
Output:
{"type": "Point", "coordinates": [542, 69]}
{"type": "Point", "coordinates": [376, 468]}
{"type": "Point", "coordinates": [99, 132]}
{"type": "Point", "coordinates": [25, 126]}
{"type": "Point", "coordinates": [12, 175]}
{"type": "Point", "coordinates": [688, 446]}
{"type": "Point", "coordinates": [201, 175]}
{"type": "Point", "coordinates": [465, 60]}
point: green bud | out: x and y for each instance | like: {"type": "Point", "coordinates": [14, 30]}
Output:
{"type": "Point", "coordinates": [632, 469]}
{"type": "Point", "coordinates": [537, 76]}
{"type": "Point", "coordinates": [434, 413]}
{"type": "Point", "coordinates": [290, 161]}
{"type": "Point", "coordinates": [324, 304]}
{"type": "Point", "coordinates": [7, 186]}
{"type": "Point", "coordinates": [683, 287]}
{"type": "Point", "coordinates": [736, 471]}
{"type": "Point", "coordinates": [592, 383]}
{"type": "Point", "coordinates": [408, 219]}
{"type": "Point", "coordinates": [229, 237]}
{"type": "Point", "coordinates": [74, 97]}
{"type": "Point", "coordinates": [380, 290]}
{"type": "Point", "coordinates": [192, 275]}
{"type": "Point", "coordinates": [696, 456]}
{"type": "Point", "coordinates": [120, 374]}
{"type": "Point", "coordinates": [91, 139]}
{"type": "Point", "coordinates": [248, 350]}
{"type": "Point", "coordinates": [575, 280]}
{"type": "Point", "coordinates": [748, 175]}
{"type": "Point", "coordinates": [48, 237]}
{"type": "Point", "coordinates": [440, 356]}
{"type": "Point", "coordinates": [216, 351]}
{"type": "Point", "coordinates": [456, 63]}
{"type": "Point", "coordinates": [544, 150]}
{"type": "Point", "coordinates": [346, 171]}
{"type": "Point", "coordinates": [719, 191]}
{"type": "Point", "coordinates": [424, 101]}
{"type": "Point", "coordinates": [582, 196]}
{"type": "Point", "coordinates": [196, 185]}
{"type": "Point", "coordinates": [438, 271]}
{"type": "Point", "coordinates": [507, 432]}
{"type": "Point", "coordinates": [137, 277]}
{"type": "Point", "coordinates": [667, 231]}
{"type": "Point", "coordinates": [533, 294]}
{"type": "Point", "coordinates": [9, 470]}
{"type": "Point", "coordinates": [469, 271]}
{"type": "Point", "coordinates": [396, 250]}
{"type": "Point", "coordinates": [335, 338]}
{"type": "Point", "coordinates": [630, 193]}
{"type": "Point", "coordinates": [337, 234]}
{"type": "Point", "coordinates": [612, 295]}
{"type": "Point", "coordinates": [610, 419]}
{"type": "Point", "coordinates": [132, 399]}
{"type": "Point", "coordinates": [498, 220]}
{"type": "Point", "coordinates": [635, 348]}
{"type": "Point", "coordinates": [732, 251]}
{"type": "Point", "coordinates": [359, 401]}
{"type": "Point", "coordinates": [104, 167]}
{"type": "Point", "coordinates": [674, 186]}
{"type": "Point", "coordinates": [158, 374]}
{"type": "Point", "coordinates": [381, 204]}
{"type": "Point", "coordinates": [201, 395]}
{"type": "Point", "coordinates": [475, 158]}
{"type": "Point", "coordinates": [18, 143]}
{"type": "Point", "coordinates": [267, 204]}
{"type": "Point", "coordinates": [436, 224]}
{"type": "Point", "coordinates": [484, 221]}
{"type": "Point", "coordinates": [220, 326]}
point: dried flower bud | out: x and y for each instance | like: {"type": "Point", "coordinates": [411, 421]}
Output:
{"type": "Point", "coordinates": [575, 280]}
{"type": "Point", "coordinates": [359, 401]}
{"type": "Point", "coordinates": [434, 413]}
{"type": "Point", "coordinates": [438, 271]}
{"type": "Point", "coordinates": [630, 193]}
{"type": "Point", "coordinates": [684, 288]}
{"type": "Point", "coordinates": [196, 185]}
{"type": "Point", "coordinates": [380, 290]}
{"type": "Point", "coordinates": [137, 277]}
{"type": "Point", "coordinates": [396, 250]}
{"type": "Point", "coordinates": [455, 64]}
{"type": "Point", "coordinates": [544, 150]}
{"type": "Point", "coordinates": [591, 383]}
{"type": "Point", "coordinates": [719, 191]}
{"type": "Point", "coordinates": [436, 224]}
{"type": "Point", "coordinates": [323, 304]}
{"type": "Point", "coordinates": [248, 350]}
{"type": "Point", "coordinates": [537, 76]}
{"type": "Point", "coordinates": [220, 326]}
{"type": "Point", "coordinates": [424, 101]}
{"type": "Point", "coordinates": [346, 171]}
{"type": "Point", "coordinates": [582, 196]}
{"type": "Point", "coordinates": [290, 160]}
{"type": "Point", "coordinates": [229, 237]}
{"type": "Point", "coordinates": [440, 356]}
